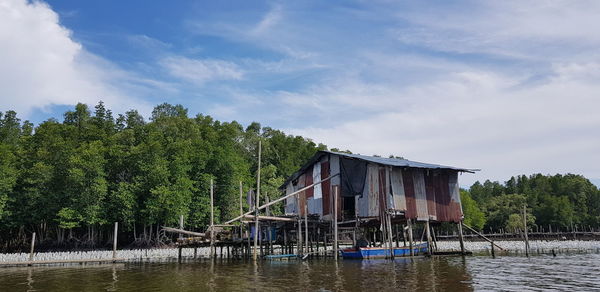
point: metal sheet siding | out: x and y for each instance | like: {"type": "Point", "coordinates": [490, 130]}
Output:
{"type": "Point", "coordinates": [409, 192]}
{"type": "Point", "coordinates": [430, 182]}
{"type": "Point", "coordinates": [399, 199]}
{"type": "Point", "coordinates": [334, 164]}
{"type": "Point", "coordinates": [316, 176]}
{"type": "Point", "coordinates": [373, 178]}
{"type": "Point", "coordinates": [308, 180]}
{"type": "Point", "coordinates": [302, 195]}
{"type": "Point", "coordinates": [326, 188]}
{"type": "Point", "coordinates": [290, 203]}
{"type": "Point", "coordinates": [455, 208]}
{"type": "Point", "coordinates": [420, 194]}
{"type": "Point", "coordinates": [312, 209]}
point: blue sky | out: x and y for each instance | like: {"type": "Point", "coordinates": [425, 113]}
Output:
{"type": "Point", "coordinates": [510, 87]}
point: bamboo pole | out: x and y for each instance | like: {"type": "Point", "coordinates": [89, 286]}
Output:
{"type": "Point", "coordinates": [256, 231]}
{"type": "Point", "coordinates": [481, 235]}
{"type": "Point", "coordinates": [32, 247]}
{"type": "Point", "coordinates": [335, 222]}
{"type": "Point", "coordinates": [180, 225]}
{"type": "Point", "coordinates": [212, 220]}
{"type": "Point", "coordinates": [460, 238]}
{"type": "Point", "coordinates": [429, 241]}
{"type": "Point", "coordinates": [390, 236]}
{"type": "Point", "coordinates": [525, 230]}
{"type": "Point", "coordinates": [306, 228]}
{"type": "Point", "coordinates": [175, 230]}
{"type": "Point", "coordinates": [241, 211]}
{"type": "Point", "coordinates": [410, 237]}
{"type": "Point", "coordinates": [115, 240]}
{"type": "Point", "coordinates": [284, 197]}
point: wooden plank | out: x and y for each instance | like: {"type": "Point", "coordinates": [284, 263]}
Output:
{"type": "Point", "coordinates": [176, 230]}
{"type": "Point", "coordinates": [281, 199]}
{"type": "Point", "coordinates": [273, 218]}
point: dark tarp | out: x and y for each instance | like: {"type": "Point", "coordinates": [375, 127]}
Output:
{"type": "Point", "coordinates": [353, 175]}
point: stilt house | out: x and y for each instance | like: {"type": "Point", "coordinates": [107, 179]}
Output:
{"type": "Point", "coordinates": [369, 186]}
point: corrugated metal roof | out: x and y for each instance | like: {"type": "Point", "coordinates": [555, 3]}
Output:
{"type": "Point", "coordinates": [400, 162]}
{"type": "Point", "coordinates": [379, 160]}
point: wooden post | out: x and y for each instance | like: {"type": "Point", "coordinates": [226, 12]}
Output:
{"type": "Point", "coordinates": [241, 211]}
{"type": "Point", "coordinates": [390, 237]}
{"type": "Point", "coordinates": [460, 238]}
{"type": "Point", "coordinates": [525, 230]}
{"type": "Point", "coordinates": [410, 237]}
{"type": "Point", "coordinates": [212, 220]}
{"type": "Point", "coordinates": [335, 222]}
{"type": "Point", "coordinates": [115, 240]}
{"type": "Point", "coordinates": [32, 247]}
{"type": "Point", "coordinates": [256, 203]}
{"type": "Point", "coordinates": [179, 254]}
{"type": "Point", "coordinates": [493, 250]}
{"type": "Point", "coordinates": [299, 234]}
{"type": "Point", "coordinates": [429, 241]}
{"type": "Point", "coordinates": [306, 228]}
{"type": "Point", "coordinates": [397, 235]}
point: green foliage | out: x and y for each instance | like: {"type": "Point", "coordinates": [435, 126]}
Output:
{"type": "Point", "coordinates": [561, 201]}
{"type": "Point", "coordinates": [92, 170]}
{"type": "Point", "coordinates": [474, 217]}
{"type": "Point", "coordinates": [68, 218]}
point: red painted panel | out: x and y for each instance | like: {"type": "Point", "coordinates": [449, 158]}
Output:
{"type": "Point", "coordinates": [308, 176]}
{"type": "Point", "coordinates": [326, 188]}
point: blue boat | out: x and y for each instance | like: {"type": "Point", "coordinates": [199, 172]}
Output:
{"type": "Point", "coordinates": [381, 252]}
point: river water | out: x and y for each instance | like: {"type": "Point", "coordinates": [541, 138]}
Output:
{"type": "Point", "coordinates": [566, 272]}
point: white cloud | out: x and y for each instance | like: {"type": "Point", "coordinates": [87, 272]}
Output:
{"type": "Point", "coordinates": [41, 65]}
{"type": "Point", "coordinates": [539, 30]}
{"type": "Point", "coordinates": [200, 71]}
{"type": "Point", "coordinates": [471, 119]}
{"type": "Point", "coordinates": [270, 19]}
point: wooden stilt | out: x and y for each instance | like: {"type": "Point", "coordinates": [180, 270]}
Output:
{"type": "Point", "coordinates": [335, 222]}
{"type": "Point", "coordinates": [32, 247]}
{"type": "Point", "coordinates": [429, 241]}
{"type": "Point", "coordinates": [116, 231]}
{"type": "Point", "coordinates": [410, 237]}
{"type": "Point", "coordinates": [241, 211]}
{"type": "Point", "coordinates": [306, 228]}
{"type": "Point", "coordinates": [525, 230]}
{"type": "Point", "coordinates": [299, 236]}
{"type": "Point", "coordinates": [212, 220]}
{"type": "Point", "coordinates": [256, 204]}
{"type": "Point", "coordinates": [461, 239]}
{"type": "Point", "coordinates": [390, 237]}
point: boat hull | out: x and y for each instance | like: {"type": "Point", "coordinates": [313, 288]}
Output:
{"type": "Point", "coordinates": [381, 252]}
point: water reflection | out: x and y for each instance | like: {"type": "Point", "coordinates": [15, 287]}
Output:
{"type": "Point", "coordinates": [418, 274]}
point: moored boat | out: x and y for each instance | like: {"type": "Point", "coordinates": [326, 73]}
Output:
{"type": "Point", "coordinates": [381, 252]}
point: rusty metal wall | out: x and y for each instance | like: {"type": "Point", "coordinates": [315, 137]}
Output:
{"type": "Point", "coordinates": [420, 194]}
{"type": "Point", "coordinates": [455, 205]}
{"type": "Point", "coordinates": [398, 201]}
{"type": "Point", "coordinates": [430, 182]}
{"type": "Point", "coordinates": [409, 192]}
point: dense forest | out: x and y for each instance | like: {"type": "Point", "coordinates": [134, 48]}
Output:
{"type": "Point", "coordinates": [69, 181]}
{"type": "Point", "coordinates": [557, 202]}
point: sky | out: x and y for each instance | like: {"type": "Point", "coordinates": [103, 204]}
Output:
{"type": "Point", "coordinates": [508, 87]}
